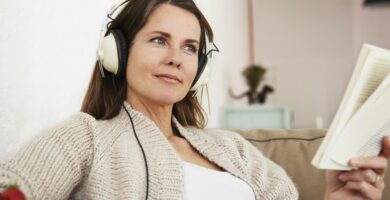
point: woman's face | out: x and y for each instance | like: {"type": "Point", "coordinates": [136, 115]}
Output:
{"type": "Point", "coordinates": [163, 58]}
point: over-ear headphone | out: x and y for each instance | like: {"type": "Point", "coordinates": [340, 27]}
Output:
{"type": "Point", "coordinates": [113, 50]}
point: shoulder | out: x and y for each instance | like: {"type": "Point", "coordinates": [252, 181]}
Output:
{"type": "Point", "coordinates": [76, 130]}
{"type": "Point", "coordinates": [77, 122]}
{"type": "Point", "coordinates": [227, 137]}
{"type": "Point", "coordinates": [217, 134]}
{"type": "Point", "coordinates": [73, 137]}
{"type": "Point", "coordinates": [229, 141]}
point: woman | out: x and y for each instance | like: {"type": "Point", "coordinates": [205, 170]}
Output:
{"type": "Point", "coordinates": [141, 133]}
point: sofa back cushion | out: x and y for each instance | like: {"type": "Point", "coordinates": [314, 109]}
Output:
{"type": "Point", "coordinates": [293, 150]}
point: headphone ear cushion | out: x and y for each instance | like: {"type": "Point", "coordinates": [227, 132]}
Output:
{"type": "Point", "coordinates": [201, 65]}
{"type": "Point", "coordinates": [122, 49]}
{"type": "Point", "coordinates": [201, 76]}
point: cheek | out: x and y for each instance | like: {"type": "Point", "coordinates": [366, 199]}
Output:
{"type": "Point", "coordinates": [132, 71]}
{"type": "Point", "coordinates": [136, 74]}
{"type": "Point", "coordinates": [191, 72]}
{"type": "Point", "coordinates": [138, 66]}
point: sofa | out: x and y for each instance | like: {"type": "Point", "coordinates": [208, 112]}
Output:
{"type": "Point", "coordinates": [293, 149]}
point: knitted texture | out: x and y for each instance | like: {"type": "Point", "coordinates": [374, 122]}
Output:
{"type": "Point", "coordinates": [85, 158]}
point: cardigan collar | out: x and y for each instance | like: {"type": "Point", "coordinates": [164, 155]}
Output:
{"type": "Point", "coordinates": [164, 163]}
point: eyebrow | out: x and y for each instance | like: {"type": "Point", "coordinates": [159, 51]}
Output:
{"type": "Point", "coordinates": [167, 35]}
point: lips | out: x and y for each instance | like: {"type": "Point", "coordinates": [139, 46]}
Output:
{"type": "Point", "coordinates": [169, 78]}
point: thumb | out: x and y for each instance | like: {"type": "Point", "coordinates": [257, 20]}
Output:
{"type": "Point", "coordinates": [386, 148]}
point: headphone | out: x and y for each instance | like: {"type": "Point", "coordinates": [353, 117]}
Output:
{"type": "Point", "coordinates": [113, 49]}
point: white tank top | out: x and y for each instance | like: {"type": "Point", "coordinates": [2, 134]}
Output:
{"type": "Point", "coordinates": [207, 184]}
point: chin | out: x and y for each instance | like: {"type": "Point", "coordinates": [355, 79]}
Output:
{"type": "Point", "coordinates": [168, 97]}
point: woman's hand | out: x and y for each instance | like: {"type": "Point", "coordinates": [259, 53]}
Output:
{"type": "Point", "coordinates": [364, 182]}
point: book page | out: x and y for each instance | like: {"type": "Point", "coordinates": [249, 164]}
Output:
{"type": "Point", "coordinates": [368, 126]}
{"type": "Point", "coordinates": [375, 71]}
{"type": "Point", "coordinates": [341, 116]}
{"type": "Point", "coordinates": [372, 67]}
{"type": "Point", "coordinates": [378, 70]}
{"type": "Point", "coordinates": [374, 145]}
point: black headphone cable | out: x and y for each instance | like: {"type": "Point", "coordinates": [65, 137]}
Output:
{"type": "Point", "coordinates": [143, 152]}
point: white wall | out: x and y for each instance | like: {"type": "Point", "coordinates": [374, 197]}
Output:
{"type": "Point", "coordinates": [230, 25]}
{"type": "Point", "coordinates": [308, 45]}
{"type": "Point", "coordinates": [371, 25]}
{"type": "Point", "coordinates": [310, 48]}
{"type": "Point", "coordinates": [48, 51]}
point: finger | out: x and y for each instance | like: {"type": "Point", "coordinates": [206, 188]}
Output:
{"type": "Point", "coordinates": [379, 164]}
{"type": "Point", "coordinates": [386, 148]}
{"type": "Point", "coordinates": [366, 175]}
{"type": "Point", "coordinates": [366, 189]}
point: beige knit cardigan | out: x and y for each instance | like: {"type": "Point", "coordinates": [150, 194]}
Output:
{"type": "Point", "coordinates": [85, 158]}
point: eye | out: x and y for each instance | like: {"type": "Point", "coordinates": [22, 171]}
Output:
{"type": "Point", "coordinates": [190, 48]}
{"type": "Point", "coordinates": [158, 40]}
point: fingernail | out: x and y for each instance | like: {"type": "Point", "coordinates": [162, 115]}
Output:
{"type": "Point", "coordinates": [354, 161]}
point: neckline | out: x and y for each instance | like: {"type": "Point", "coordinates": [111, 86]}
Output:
{"type": "Point", "coordinates": [156, 147]}
{"type": "Point", "coordinates": [204, 168]}
{"type": "Point", "coordinates": [198, 138]}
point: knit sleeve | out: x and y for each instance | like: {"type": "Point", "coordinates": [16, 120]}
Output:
{"type": "Point", "coordinates": [52, 164]}
{"type": "Point", "coordinates": [271, 180]}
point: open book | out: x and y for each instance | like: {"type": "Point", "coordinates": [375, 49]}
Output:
{"type": "Point", "coordinates": [363, 118]}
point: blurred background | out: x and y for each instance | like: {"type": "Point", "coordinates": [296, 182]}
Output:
{"type": "Point", "coordinates": [308, 49]}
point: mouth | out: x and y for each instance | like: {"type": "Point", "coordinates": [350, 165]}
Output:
{"type": "Point", "coordinates": [169, 78]}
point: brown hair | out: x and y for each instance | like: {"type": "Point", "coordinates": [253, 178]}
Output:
{"type": "Point", "coordinates": [104, 96]}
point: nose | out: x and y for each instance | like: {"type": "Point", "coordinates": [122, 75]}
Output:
{"type": "Point", "coordinates": [174, 58]}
